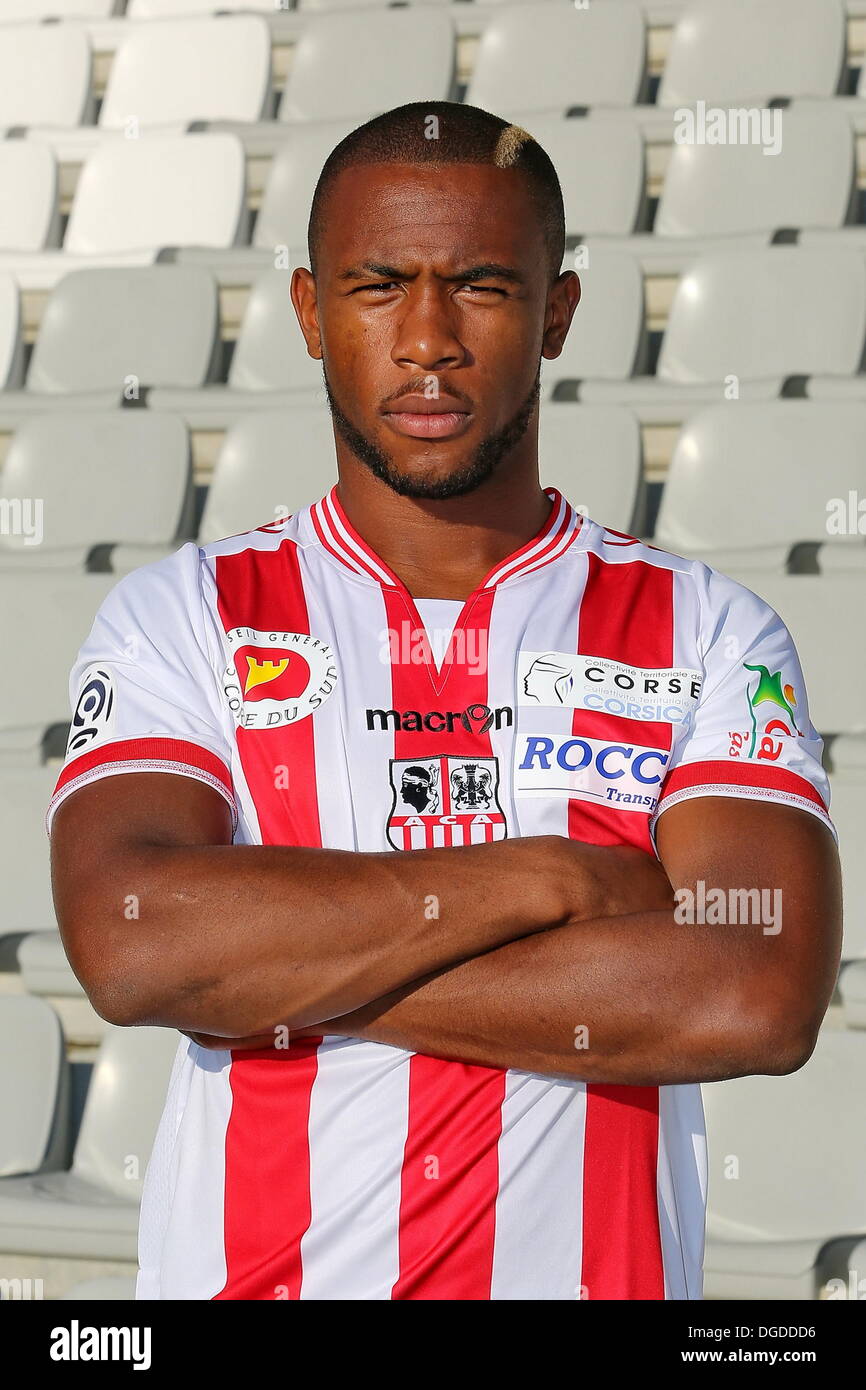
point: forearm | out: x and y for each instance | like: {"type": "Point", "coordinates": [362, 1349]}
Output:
{"type": "Point", "coordinates": [638, 1000]}
{"type": "Point", "coordinates": [229, 939]}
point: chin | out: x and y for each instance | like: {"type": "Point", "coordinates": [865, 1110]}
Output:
{"type": "Point", "coordinates": [424, 479]}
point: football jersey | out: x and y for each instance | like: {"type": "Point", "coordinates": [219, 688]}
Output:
{"type": "Point", "coordinates": [588, 684]}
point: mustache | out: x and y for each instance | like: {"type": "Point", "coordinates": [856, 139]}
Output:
{"type": "Point", "coordinates": [420, 386]}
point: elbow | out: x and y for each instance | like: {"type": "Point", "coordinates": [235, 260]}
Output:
{"type": "Point", "coordinates": [117, 977]}
{"type": "Point", "coordinates": [776, 1040]}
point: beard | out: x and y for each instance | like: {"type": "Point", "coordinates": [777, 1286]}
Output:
{"type": "Point", "coordinates": [466, 477]}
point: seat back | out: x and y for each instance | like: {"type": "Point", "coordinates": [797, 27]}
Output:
{"type": "Point", "coordinates": [271, 354]}
{"type": "Point", "coordinates": [138, 195]}
{"type": "Point", "coordinates": [123, 1108]}
{"type": "Point", "coordinates": [127, 330]}
{"type": "Point", "coordinates": [607, 337]}
{"type": "Point", "coordinates": [727, 189]}
{"type": "Point", "coordinates": [737, 51]}
{"type": "Point", "coordinates": [28, 208]}
{"type": "Point", "coordinates": [779, 312]}
{"type": "Point", "coordinates": [272, 463]}
{"type": "Point", "coordinates": [34, 1087]}
{"type": "Point", "coordinates": [761, 474]}
{"type": "Point", "coordinates": [190, 70]}
{"type": "Point", "coordinates": [355, 62]}
{"type": "Point", "coordinates": [548, 56]}
{"type": "Point", "coordinates": [44, 75]}
{"type": "Point", "coordinates": [104, 477]}
{"type": "Point", "coordinates": [592, 454]}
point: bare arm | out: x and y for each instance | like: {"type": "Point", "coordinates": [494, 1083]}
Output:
{"type": "Point", "coordinates": [165, 921]}
{"type": "Point", "coordinates": [645, 999]}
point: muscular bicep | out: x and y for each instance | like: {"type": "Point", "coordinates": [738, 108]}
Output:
{"type": "Point", "coordinates": [764, 878]}
{"type": "Point", "coordinates": [101, 836]}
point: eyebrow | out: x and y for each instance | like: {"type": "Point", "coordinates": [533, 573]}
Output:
{"type": "Point", "coordinates": [489, 271]}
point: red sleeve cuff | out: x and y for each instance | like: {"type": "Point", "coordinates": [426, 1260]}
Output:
{"type": "Point", "coordinates": [144, 755]}
{"type": "Point", "coordinates": [724, 777]}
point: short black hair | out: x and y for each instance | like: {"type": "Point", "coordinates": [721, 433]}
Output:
{"type": "Point", "coordinates": [447, 132]}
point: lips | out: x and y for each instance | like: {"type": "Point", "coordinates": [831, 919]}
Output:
{"type": "Point", "coordinates": [421, 418]}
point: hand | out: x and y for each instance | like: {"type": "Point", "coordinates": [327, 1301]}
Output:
{"type": "Point", "coordinates": [608, 880]}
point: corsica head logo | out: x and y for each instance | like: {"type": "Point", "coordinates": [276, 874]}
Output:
{"type": "Point", "coordinates": [93, 709]}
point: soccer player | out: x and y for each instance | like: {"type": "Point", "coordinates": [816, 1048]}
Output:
{"type": "Point", "coordinates": [444, 768]}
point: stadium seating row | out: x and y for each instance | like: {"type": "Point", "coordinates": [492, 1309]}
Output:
{"type": "Point", "coordinates": [744, 325]}
{"type": "Point", "coordinates": [171, 196]}
{"type": "Point", "coordinates": [106, 490]}
{"type": "Point", "coordinates": [531, 57]}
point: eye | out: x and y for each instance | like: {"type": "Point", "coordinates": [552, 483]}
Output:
{"type": "Point", "coordinates": [483, 289]}
{"type": "Point", "coordinates": [376, 285]}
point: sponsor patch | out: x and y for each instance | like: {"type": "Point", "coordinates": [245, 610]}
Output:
{"type": "Point", "coordinates": [276, 678]}
{"type": "Point", "coordinates": [772, 715]}
{"type": "Point", "coordinates": [624, 775]}
{"type": "Point", "coordinates": [665, 695]}
{"type": "Point", "coordinates": [442, 801]}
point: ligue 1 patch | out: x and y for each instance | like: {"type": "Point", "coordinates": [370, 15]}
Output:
{"type": "Point", "coordinates": [443, 801]}
{"type": "Point", "coordinates": [276, 678]}
{"type": "Point", "coordinates": [665, 695]}
{"type": "Point", "coordinates": [93, 717]}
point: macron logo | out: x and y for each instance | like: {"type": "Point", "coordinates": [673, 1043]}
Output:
{"type": "Point", "coordinates": [77, 1343]}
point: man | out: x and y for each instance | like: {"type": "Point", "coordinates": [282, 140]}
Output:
{"type": "Point", "coordinates": [445, 1021]}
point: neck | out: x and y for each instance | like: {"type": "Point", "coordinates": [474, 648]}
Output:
{"type": "Point", "coordinates": [444, 549]}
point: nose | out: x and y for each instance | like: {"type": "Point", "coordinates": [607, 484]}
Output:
{"type": "Point", "coordinates": [427, 339]}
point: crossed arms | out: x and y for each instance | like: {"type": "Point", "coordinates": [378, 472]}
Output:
{"type": "Point", "coordinates": [541, 954]}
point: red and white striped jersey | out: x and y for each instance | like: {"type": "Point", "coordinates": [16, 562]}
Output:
{"type": "Point", "coordinates": [589, 683]}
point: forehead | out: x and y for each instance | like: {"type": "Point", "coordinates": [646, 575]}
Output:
{"type": "Point", "coordinates": [432, 214]}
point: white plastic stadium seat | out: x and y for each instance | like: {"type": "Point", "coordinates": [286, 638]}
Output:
{"type": "Point", "coordinates": [44, 75]}
{"type": "Point", "coordinates": [17, 11]}
{"type": "Point", "coordinates": [11, 346]}
{"type": "Point", "coordinates": [136, 197]}
{"type": "Point", "coordinates": [113, 1288]}
{"type": "Point", "coordinates": [108, 335]}
{"type": "Point", "coordinates": [116, 478]}
{"type": "Point", "coordinates": [714, 190]}
{"type": "Point", "coordinates": [797, 1187]}
{"type": "Point", "coordinates": [848, 810]}
{"type": "Point", "coordinates": [714, 193]}
{"type": "Point", "coordinates": [737, 52]}
{"type": "Point", "coordinates": [34, 1088]}
{"type": "Point", "coordinates": [550, 57]}
{"type": "Point", "coordinates": [154, 86]}
{"type": "Point", "coordinates": [28, 209]}
{"type": "Point", "coordinates": [271, 464]}
{"type": "Point", "coordinates": [299, 152]}
{"type": "Point", "coordinates": [171, 9]}
{"type": "Point", "coordinates": [24, 864]}
{"type": "Point", "coordinates": [44, 618]}
{"type": "Point", "coordinates": [44, 966]}
{"type": "Point", "coordinates": [353, 62]}
{"type": "Point", "coordinates": [607, 337]}
{"type": "Point", "coordinates": [600, 165]}
{"type": "Point", "coordinates": [270, 360]}
{"type": "Point", "coordinates": [748, 481]}
{"type": "Point", "coordinates": [592, 454]}
{"type": "Point", "coordinates": [758, 316]}
{"type": "Point", "coordinates": [91, 1211]}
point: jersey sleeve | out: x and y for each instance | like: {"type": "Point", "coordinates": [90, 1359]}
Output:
{"type": "Point", "coordinates": [143, 689]}
{"type": "Point", "coordinates": [751, 735]}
